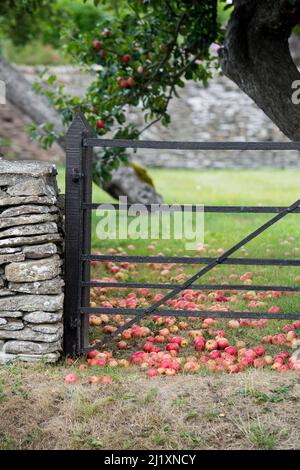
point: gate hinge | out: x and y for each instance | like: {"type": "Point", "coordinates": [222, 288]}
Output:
{"type": "Point", "coordinates": [74, 323]}
{"type": "Point", "coordinates": [76, 175]}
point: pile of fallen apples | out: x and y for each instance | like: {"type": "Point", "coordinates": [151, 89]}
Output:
{"type": "Point", "coordinates": [178, 348]}
{"type": "Point", "coordinates": [172, 345]}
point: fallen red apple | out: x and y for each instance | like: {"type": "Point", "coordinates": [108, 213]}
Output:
{"type": "Point", "coordinates": [222, 342]}
{"type": "Point", "coordinates": [259, 363]}
{"type": "Point", "coordinates": [71, 378]}
{"type": "Point", "coordinates": [268, 360]}
{"type": "Point", "coordinates": [259, 350]}
{"type": "Point", "coordinates": [199, 343]}
{"type": "Point", "coordinates": [233, 324]}
{"type": "Point", "coordinates": [214, 354]}
{"type": "Point", "coordinates": [106, 379]}
{"type": "Point", "coordinates": [274, 309]}
{"type": "Point", "coordinates": [211, 344]}
{"type": "Point", "coordinates": [152, 373]}
{"type": "Point", "coordinates": [231, 350]}
{"type": "Point", "coordinates": [101, 361]}
{"type": "Point", "coordinates": [92, 354]}
{"type": "Point", "coordinates": [112, 363]}
{"type": "Point", "coordinates": [170, 372]}
{"type": "Point", "coordinates": [172, 347]}
{"type": "Point", "coordinates": [94, 379]}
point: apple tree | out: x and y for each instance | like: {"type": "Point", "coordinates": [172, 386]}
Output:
{"type": "Point", "coordinates": [141, 57]}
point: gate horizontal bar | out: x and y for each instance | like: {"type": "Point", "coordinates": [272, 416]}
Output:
{"type": "Point", "coordinates": [190, 260]}
{"type": "Point", "coordinates": [136, 285]}
{"type": "Point", "coordinates": [139, 314]}
{"type": "Point", "coordinates": [192, 208]}
{"type": "Point", "coordinates": [179, 145]}
{"type": "Point", "coordinates": [189, 313]}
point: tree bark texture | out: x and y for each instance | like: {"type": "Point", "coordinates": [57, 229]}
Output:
{"type": "Point", "coordinates": [256, 56]}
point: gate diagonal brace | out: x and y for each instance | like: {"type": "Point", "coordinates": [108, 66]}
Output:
{"type": "Point", "coordinates": [195, 277]}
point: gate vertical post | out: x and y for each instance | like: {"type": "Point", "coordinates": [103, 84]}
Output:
{"type": "Point", "coordinates": [87, 159]}
{"type": "Point", "coordinates": [73, 233]}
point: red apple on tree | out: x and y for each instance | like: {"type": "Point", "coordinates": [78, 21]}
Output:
{"type": "Point", "coordinates": [125, 58]}
{"type": "Point", "coordinates": [106, 33]}
{"type": "Point", "coordinates": [123, 83]}
{"type": "Point", "coordinates": [100, 124]}
{"type": "Point", "coordinates": [97, 44]}
{"type": "Point", "coordinates": [131, 82]}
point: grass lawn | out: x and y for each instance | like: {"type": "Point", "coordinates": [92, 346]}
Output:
{"type": "Point", "coordinates": [254, 409]}
{"type": "Point", "coordinates": [240, 187]}
{"type": "Point", "coordinates": [215, 187]}
{"type": "Point", "coordinates": [210, 187]}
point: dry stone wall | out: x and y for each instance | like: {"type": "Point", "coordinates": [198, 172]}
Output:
{"type": "Point", "coordinates": [220, 111]}
{"type": "Point", "coordinates": [31, 249]}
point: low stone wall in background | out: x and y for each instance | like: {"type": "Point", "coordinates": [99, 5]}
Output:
{"type": "Point", "coordinates": [218, 112]}
{"type": "Point", "coordinates": [31, 247]}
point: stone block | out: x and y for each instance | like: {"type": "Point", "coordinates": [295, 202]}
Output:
{"type": "Point", "coordinates": [30, 271]}
{"type": "Point", "coordinates": [12, 325]}
{"type": "Point", "coordinates": [46, 328]}
{"type": "Point", "coordinates": [31, 187]}
{"type": "Point", "coordinates": [28, 219]}
{"type": "Point", "coordinates": [19, 200]}
{"type": "Point", "coordinates": [18, 241]}
{"type": "Point", "coordinates": [32, 303]}
{"type": "Point", "coordinates": [25, 230]}
{"type": "Point", "coordinates": [27, 209]}
{"type": "Point", "coordinates": [48, 358]}
{"type": "Point", "coordinates": [23, 168]}
{"type": "Point", "coordinates": [30, 347]}
{"type": "Point", "coordinates": [52, 286]}
{"type": "Point", "coordinates": [43, 317]}
{"type": "Point", "coordinates": [9, 258]}
{"type": "Point", "coordinates": [39, 251]}
{"type": "Point", "coordinates": [8, 314]}
{"type": "Point", "coordinates": [27, 334]}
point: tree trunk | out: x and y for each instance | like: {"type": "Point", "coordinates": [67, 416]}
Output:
{"type": "Point", "coordinates": [19, 92]}
{"type": "Point", "coordinates": [256, 56]}
{"type": "Point", "coordinates": [125, 181]}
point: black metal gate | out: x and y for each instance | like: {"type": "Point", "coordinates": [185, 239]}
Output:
{"type": "Point", "coordinates": [79, 148]}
